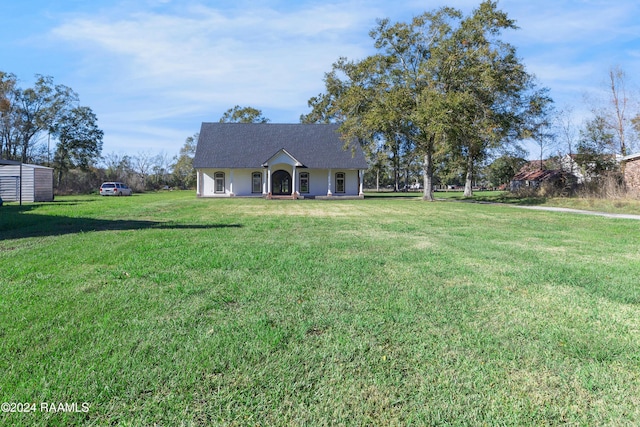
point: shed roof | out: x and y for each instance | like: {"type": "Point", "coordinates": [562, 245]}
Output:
{"type": "Point", "coordinates": [8, 162]}
{"type": "Point", "coordinates": [250, 145]}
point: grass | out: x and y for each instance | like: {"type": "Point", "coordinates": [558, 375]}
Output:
{"type": "Point", "coordinates": [628, 205]}
{"type": "Point", "coordinates": [171, 310]}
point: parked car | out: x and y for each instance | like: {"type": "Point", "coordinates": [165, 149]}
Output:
{"type": "Point", "coordinates": [114, 189]}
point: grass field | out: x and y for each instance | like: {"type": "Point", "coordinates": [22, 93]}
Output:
{"type": "Point", "coordinates": [628, 205]}
{"type": "Point", "coordinates": [170, 310]}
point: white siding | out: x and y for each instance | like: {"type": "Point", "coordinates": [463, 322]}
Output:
{"type": "Point", "coordinates": [10, 183]}
{"type": "Point", "coordinates": [37, 183]}
{"type": "Point", "coordinates": [240, 181]}
{"type": "Point", "coordinates": [43, 185]}
{"type": "Point", "coordinates": [236, 182]}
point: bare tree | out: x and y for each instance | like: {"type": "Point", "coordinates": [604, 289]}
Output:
{"type": "Point", "coordinates": [161, 167]}
{"type": "Point", "coordinates": [567, 134]}
{"type": "Point", "coordinates": [117, 167]}
{"type": "Point", "coordinates": [143, 164]}
{"type": "Point", "coordinates": [619, 101]}
{"type": "Point", "coordinates": [620, 112]}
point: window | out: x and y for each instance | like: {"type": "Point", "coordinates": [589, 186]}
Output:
{"type": "Point", "coordinates": [304, 182]}
{"type": "Point", "coordinates": [256, 182]}
{"type": "Point", "coordinates": [219, 182]}
{"type": "Point", "coordinates": [340, 182]}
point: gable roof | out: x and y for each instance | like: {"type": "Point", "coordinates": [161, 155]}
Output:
{"type": "Point", "coordinates": [250, 145]}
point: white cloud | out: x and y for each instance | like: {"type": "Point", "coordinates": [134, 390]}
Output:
{"type": "Point", "coordinates": [152, 65]}
{"type": "Point", "coordinates": [184, 62]}
{"type": "Point", "coordinates": [206, 47]}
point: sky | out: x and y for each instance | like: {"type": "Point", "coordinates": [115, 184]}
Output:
{"type": "Point", "coordinates": [154, 70]}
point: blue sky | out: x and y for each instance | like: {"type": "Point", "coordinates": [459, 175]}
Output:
{"type": "Point", "coordinates": [153, 70]}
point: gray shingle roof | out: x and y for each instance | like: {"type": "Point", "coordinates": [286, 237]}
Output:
{"type": "Point", "coordinates": [249, 145]}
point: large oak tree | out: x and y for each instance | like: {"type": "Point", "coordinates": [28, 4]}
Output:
{"type": "Point", "coordinates": [440, 83]}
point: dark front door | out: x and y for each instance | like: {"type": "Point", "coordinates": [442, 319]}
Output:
{"type": "Point", "coordinates": [281, 183]}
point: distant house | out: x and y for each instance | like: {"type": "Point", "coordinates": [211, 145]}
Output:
{"type": "Point", "coordinates": [277, 160]}
{"type": "Point", "coordinates": [632, 172]}
{"type": "Point", "coordinates": [533, 179]}
{"type": "Point", "coordinates": [589, 167]}
{"type": "Point", "coordinates": [22, 182]}
{"type": "Point", "coordinates": [533, 175]}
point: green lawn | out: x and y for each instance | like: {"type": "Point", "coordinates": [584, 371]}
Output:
{"type": "Point", "coordinates": [629, 205]}
{"type": "Point", "coordinates": [171, 310]}
{"type": "Point", "coordinates": [615, 205]}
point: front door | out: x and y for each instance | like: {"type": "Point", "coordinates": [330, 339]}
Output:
{"type": "Point", "coordinates": [281, 183]}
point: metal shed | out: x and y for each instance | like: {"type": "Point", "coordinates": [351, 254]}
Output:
{"type": "Point", "coordinates": [23, 182]}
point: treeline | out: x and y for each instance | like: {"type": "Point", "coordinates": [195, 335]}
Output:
{"type": "Point", "coordinates": [589, 147]}
{"type": "Point", "coordinates": [31, 118]}
{"type": "Point", "coordinates": [46, 125]}
{"type": "Point", "coordinates": [142, 172]}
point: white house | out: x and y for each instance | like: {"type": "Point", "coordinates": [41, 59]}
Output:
{"type": "Point", "coordinates": [24, 182]}
{"type": "Point", "coordinates": [277, 160]}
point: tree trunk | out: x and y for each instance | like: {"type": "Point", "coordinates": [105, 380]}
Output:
{"type": "Point", "coordinates": [427, 173]}
{"type": "Point", "coordinates": [396, 178]}
{"type": "Point", "coordinates": [468, 184]}
{"type": "Point", "coordinates": [396, 168]}
{"type": "Point", "coordinates": [406, 179]}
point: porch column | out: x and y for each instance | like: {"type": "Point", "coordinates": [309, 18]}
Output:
{"type": "Point", "coordinates": [269, 181]}
{"type": "Point", "coordinates": [293, 184]}
{"type": "Point", "coordinates": [199, 184]}
{"type": "Point", "coordinates": [360, 183]}
{"type": "Point", "coordinates": [231, 183]}
{"type": "Point", "coordinates": [329, 183]}
{"type": "Point", "coordinates": [264, 182]}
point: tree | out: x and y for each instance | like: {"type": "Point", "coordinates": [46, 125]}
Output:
{"type": "Point", "coordinates": [160, 168]}
{"type": "Point", "coordinates": [117, 167]}
{"type": "Point", "coordinates": [35, 111]}
{"type": "Point", "coordinates": [615, 111]}
{"type": "Point", "coordinates": [143, 165]}
{"type": "Point", "coordinates": [617, 118]}
{"type": "Point", "coordinates": [184, 175]}
{"type": "Point", "coordinates": [635, 122]}
{"type": "Point", "coordinates": [566, 131]}
{"type": "Point", "coordinates": [239, 114]}
{"type": "Point", "coordinates": [381, 99]}
{"type": "Point", "coordinates": [79, 141]}
{"type": "Point", "coordinates": [379, 161]}
{"type": "Point", "coordinates": [539, 126]}
{"type": "Point", "coordinates": [440, 80]}
{"type": "Point", "coordinates": [504, 168]}
{"type": "Point", "coordinates": [486, 88]}
{"type": "Point", "coordinates": [7, 92]}
{"type": "Point", "coordinates": [596, 148]}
